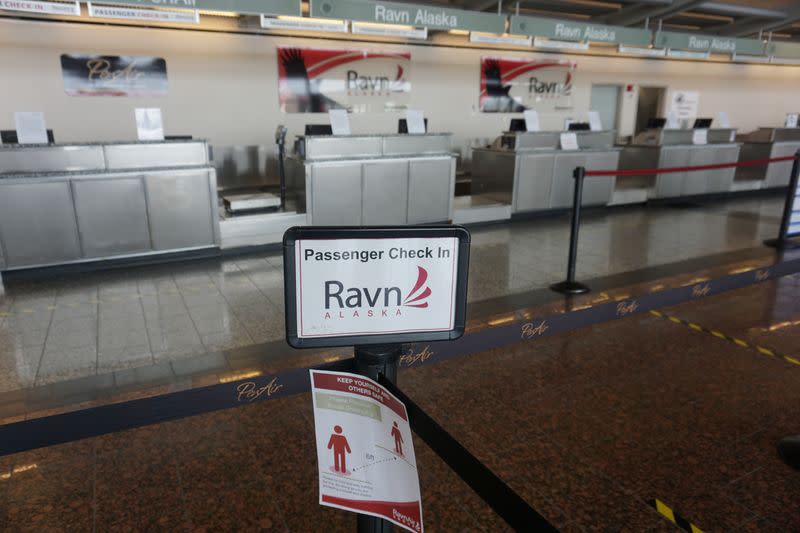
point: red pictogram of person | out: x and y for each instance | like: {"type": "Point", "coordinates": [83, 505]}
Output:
{"type": "Point", "coordinates": [340, 445]}
{"type": "Point", "coordinates": [398, 438]}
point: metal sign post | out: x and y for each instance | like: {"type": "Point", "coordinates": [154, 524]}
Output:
{"type": "Point", "coordinates": [790, 222]}
{"type": "Point", "coordinates": [373, 288]}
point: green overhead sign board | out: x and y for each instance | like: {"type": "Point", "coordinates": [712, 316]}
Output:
{"type": "Point", "coordinates": [708, 43]}
{"type": "Point", "coordinates": [256, 7]}
{"type": "Point", "coordinates": [439, 18]}
{"type": "Point", "coordinates": [787, 50]}
{"type": "Point", "coordinates": [571, 30]}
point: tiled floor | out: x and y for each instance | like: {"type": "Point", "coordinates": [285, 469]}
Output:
{"type": "Point", "coordinates": [69, 327]}
{"type": "Point", "coordinates": [586, 426]}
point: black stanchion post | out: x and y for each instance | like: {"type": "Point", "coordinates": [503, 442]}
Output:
{"type": "Point", "coordinates": [280, 138]}
{"type": "Point", "coordinates": [371, 361]}
{"type": "Point", "coordinates": [781, 241]}
{"type": "Point", "coordinates": [570, 286]}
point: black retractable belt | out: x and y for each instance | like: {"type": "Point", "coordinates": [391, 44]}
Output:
{"type": "Point", "coordinates": [509, 505]}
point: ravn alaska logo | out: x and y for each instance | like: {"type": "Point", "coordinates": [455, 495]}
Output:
{"type": "Point", "coordinates": [357, 302]}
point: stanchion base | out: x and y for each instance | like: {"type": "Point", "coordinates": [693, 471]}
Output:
{"type": "Point", "coordinates": [570, 287]}
{"type": "Point", "coordinates": [782, 244]}
{"type": "Point", "coordinates": [789, 450]}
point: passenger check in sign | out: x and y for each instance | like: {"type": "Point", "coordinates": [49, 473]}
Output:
{"type": "Point", "coordinates": [349, 286]}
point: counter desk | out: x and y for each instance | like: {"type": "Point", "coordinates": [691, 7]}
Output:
{"type": "Point", "coordinates": [373, 179]}
{"type": "Point", "coordinates": [529, 172]}
{"type": "Point", "coordinates": [71, 203]}
{"type": "Point", "coordinates": [663, 148]}
{"type": "Point", "coordinates": [767, 143]}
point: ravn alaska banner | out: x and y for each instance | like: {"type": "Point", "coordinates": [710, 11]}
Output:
{"type": "Point", "coordinates": [514, 85]}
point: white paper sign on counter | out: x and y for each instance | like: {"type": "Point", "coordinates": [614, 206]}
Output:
{"type": "Point", "coordinates": [791, 120]}
{"type": "Point", "coordinates": [415, 120]}
{"type": "Point", "coordinates": [531, 120]}
{"type": "Point", "coordinates": [569, 141]}
{"type": "Point", "coordinates": [723, 119]}
{"type": "Point", "coordinates": [149, 124]}
{"type": "Point", "coordinates": [340, 121]}
{"type": "Point", "coordinates": [31, 128]}
{"type": "Point", "coordinates": [365, 453]}
{"type": "Point", "coordinates": [595, 124]}
{"type": "Point", "coordinates": [672, 121]}
{"type": "Point", "coordinates": [700, 136]}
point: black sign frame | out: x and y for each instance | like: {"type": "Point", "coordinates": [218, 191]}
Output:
{"type": "Point", "coordinates": [296, 233]}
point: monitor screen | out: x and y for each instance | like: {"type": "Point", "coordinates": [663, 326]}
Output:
{"type": "Point", "coordinates": [656, 123]}
{"type": "Point", "coordinates": [579, 126]}
{"type": "Point", "coordinates": [702, 123]}
{"type": "Point", "coordinates": [518, 124]}
{"type": "Point", "coordinates": [319, 129]}
{"type": "Point", "coordinates": [402, 125]}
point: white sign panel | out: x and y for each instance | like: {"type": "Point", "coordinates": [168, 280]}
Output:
{"type": "Point", "coordinates": [594, 121]}
{"type": "Point", "coordinates": [340, 122]}
{"type": "Point", "coordinates": [700, 136]}
{"type": "Point", "coordinates": [149, 124]}
{"type": "Point", "coordinates": [723, 119]}
{"type": "Point", "coordinates": [31, 128]}
{"type": "Point", "coordinates": [672, 121]}
{"type": "Point", "coordinates": [791, 120]}
{"type": "Point", "coordinates": [389, 30]}
{"type": "Point", "coordinates": [304, 23]}
{"type": "Point", "coordinates": [685, 103]}
{"type": "Point", "coordinates": [44, 8]}
{"type": "Point", "coordinates": [415, 121]}
{"type": "Point", "coordinates": [352, 287]}
{"type": "Point", "coordinates": [569, 141]}
{"type": "Point", "coordinates": [152, 15]}
{"type": "Point", "coordinates": [365, 454]}
{"type": "Point", "coordinates": [531, 120]}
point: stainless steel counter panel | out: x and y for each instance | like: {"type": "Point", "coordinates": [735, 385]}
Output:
{"type": "Point", "coordinates": [342, 147]}
{"type": "Point", "coordinates": [384, 192]}
{"type": "Point", "coordinates": [414, 145]}
{"type": "Point", "coordinates": [240, 167]}
{"type": "Point", "coordinates": [771, 135]}
{"type": "Point", "coordinates": [769, 143]}
{"type": "Point", "coordinates": [53, 158]}
{"type": "Point", "coordinates": [65, 218]}
{"type": "Point", "coordinates": [172, 155]}
{"type": "Point", "coordinates": [431, 187]}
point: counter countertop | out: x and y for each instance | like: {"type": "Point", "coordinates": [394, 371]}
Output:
{"type": "Point", "coordinates": [374, 135]}
{"type": "Point", "coordinates": [549, 150]}
{"type": "Point", "coordinates": [96, 172]}
{"type": "Point", "coordinates": [110, 143]}
{"type": "Point", "coordinates": [735, 143]}
{"type": "Point", "coordinates": [370, 157]}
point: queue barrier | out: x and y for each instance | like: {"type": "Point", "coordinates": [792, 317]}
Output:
{"type": "Point", "coordinates": [570, 286]}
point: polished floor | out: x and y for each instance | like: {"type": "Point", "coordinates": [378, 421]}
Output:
{"type": "Point", "coordinates": [176, 318]}
{"type": "Point", "coordinates": [586, 426]}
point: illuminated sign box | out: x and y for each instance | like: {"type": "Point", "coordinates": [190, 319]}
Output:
{"type": "Point", "coordinates": [382, 285]}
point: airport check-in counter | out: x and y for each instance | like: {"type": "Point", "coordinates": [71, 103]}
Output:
{"type": "Point", "coordinates": [663, 148]}
{"type": "Point", "coordinates": [373, 179]}
{"type": "Point", "coordinates": [528, 171]}
{"type": "Point", "coordinates": [768, 143]}
{"type": "Point", "coordinates": [71, 203]}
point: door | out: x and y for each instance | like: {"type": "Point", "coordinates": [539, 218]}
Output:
{"type": "Point", "coordinates": [605, 100]}
{"type": "Point", "coordinates": [649, 106]}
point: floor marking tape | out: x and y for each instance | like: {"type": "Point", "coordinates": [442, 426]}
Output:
{"type": "Point", "coordinates": [720, 335]}
{"type": "Point", "coordinates": [667, 512]}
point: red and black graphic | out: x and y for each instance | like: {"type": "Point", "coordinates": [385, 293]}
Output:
{"type": "Point", "coordinates": [398, 439]}
{"type": "Point", "coordinates": [340, 447]}
{"type": "Point", "coordinates": [317, 80]}
{"type": "Point", "coordinates": [416, 296]}
{"type": "Point", "coordinates": [514, 85]}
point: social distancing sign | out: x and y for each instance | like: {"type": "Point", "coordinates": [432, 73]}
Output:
{"type": "Point", "coordinates": [365, 454]}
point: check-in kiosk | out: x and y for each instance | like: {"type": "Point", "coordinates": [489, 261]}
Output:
{"type": "Point", "coordinates": [358, 180]}
{"type": "Point", "coordinates": [767, 143]}
{"type": "Point", "coordinates": [70, 203]}
{"type": "Point", "coordinates": [665, 148]}
{"type": "Point", "coordinates": [530, 172]}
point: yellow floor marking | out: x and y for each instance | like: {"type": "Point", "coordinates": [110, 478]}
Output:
{"type": "Point", "coordinates": [718, 334]}
{"type": "Point", "coordinates": [666, 511]}
{"type": "Point", "coordinates": [695, 327]}
{"type": "Point", "coordinates": [696, 529]}
{"type": "Point", "coordinates": [676, 320]}
{"type": "Point", "coordinates": [792, 360]}
{"type": "Point", "coordinates": [656, 313]}
{"type": "Point", "coordinates": [740, 342]}
{"type": "Point", "coordinates": [765, 351]}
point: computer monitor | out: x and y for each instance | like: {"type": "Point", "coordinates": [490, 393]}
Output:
{"type": "Point", "coordinates": [579, 126]}
{"type": "Point", "coordinates": [702, 123]}
{"type": "Point", "coordinates": [177, 137]}
{"type": "Point", "coordinates": [319, 129]}
{"type": "Point", "coordinates": [656, 123]}
{"type": "Point", "coordinates": [402, 125]}
{"type": "Point", "coordinates": [517, 124]}
{"type": "Point", "coordinates": [10, 137]}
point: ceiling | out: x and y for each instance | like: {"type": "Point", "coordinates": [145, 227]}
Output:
{"type": "Point", "coordinates": [733, 18]}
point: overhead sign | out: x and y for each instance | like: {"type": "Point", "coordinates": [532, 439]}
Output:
{"type": "Point", "coordinates": [43, 8]}
{"type": "Point", "coordinates": [708, 43]}
{"type": "Point", "coordinates": [374, 285]}
{"type": "Point", "coordinates": [254, 7]}
{"type": "Point", "coordinates": [150, 15]}
{"type": "Point", "coordinates": [441, 18]}
{"type": "Point", "coordinates": [303, 24]}
{"type": "Point", "coordinates": [365, 454]}
{"type": "Point", "coordinates": [572, 30]}
{"type": "Point", "coordinates": [787, 50]}
{"type": "Point", "coordinates": [96, 75]}
{"type": "Point", "coordinates": [312, 80]}
{"type": "Point", "coordinates": [512, 85]}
